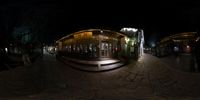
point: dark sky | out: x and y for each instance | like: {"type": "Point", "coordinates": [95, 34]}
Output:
{"type": "Point", "coordinates": [158, 19]}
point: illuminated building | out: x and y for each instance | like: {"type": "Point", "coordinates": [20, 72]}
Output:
{"type": "Point", "coordinates": [180, 43]}
{"type": "Point", "coordinates": [98, 43]}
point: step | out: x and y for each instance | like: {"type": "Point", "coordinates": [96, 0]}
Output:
{"type": "Point", "coordinates": [96, 63]}
{"type": "Point", "coordinates": [97, 68]}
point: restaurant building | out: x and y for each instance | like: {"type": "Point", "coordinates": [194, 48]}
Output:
{"type": "Point", "coordinates": [99, 43]}
{"type": "Point", "coordinates": [177, 43]}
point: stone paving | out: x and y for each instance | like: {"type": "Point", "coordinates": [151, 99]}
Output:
{"type": "Point", "coordinates": [181, 62]}
{"type": "Point", "coordinates": [147, 79]}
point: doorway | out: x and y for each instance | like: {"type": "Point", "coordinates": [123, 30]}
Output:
{"type": "Point", "coordinates": [104, 49]}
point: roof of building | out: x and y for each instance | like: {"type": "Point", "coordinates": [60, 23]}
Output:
{"type": "Point", "coordinates": [181, 36]}
{"type": "Point", "coordinates": [88, 30]}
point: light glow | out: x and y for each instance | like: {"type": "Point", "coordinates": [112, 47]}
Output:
{"type": "Point", "coordinates": [129, 29]}
{"type": "Point", "coordinates": [197, 39]}
{"type": "Point", "coordinates": [126, 39]}
{"type": "Point", "coordinates": [6, 49]}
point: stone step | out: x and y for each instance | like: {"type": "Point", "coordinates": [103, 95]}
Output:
{"type": "Point", "coordinates": [92, 63]}
{"type": "Point", "coordinates": [91, 67]}
{"type": "Point", "coordinates": [96, 68]}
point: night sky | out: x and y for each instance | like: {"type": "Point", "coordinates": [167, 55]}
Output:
{"type": "Point", "coordinates": [158, 19]}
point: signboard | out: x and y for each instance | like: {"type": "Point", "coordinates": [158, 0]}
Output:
{"type": "Point", "coordinates": [68, 41]}
{"type": "Point", "coordinates": [83, 35]}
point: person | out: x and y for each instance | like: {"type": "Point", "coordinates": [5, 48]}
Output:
{"type": "Point", "coordinates": [25, 56]}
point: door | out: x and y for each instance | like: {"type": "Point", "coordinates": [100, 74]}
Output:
{"type": "Point", "coordinates": [104, 49]}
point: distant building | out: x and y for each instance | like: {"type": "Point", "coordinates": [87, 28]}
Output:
{"type": "Point", "coordinates": [177, 43]}
{"type": "Point", "coordinates": [98, 43]}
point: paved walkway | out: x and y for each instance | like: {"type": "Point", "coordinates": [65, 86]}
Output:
{"type": "Point", "coordinates": [181, 62]}
{"type": "Point", "coordinates": [147, 79]}
{"type": "Point", "coordinates": [13, 61]}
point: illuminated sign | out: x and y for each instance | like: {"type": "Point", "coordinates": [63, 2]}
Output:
{"type": "Point", "coordinates": [83, 35]}
{"type": "Point", "coordinates": [68, 41]}
{"type": "Point", "coordinates": [129, 30]}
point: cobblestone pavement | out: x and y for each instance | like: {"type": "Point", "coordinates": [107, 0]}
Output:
{"type": "Point", "coordinates": [147, 79]}
{"type": "Point", "coordinates": [181, 62]}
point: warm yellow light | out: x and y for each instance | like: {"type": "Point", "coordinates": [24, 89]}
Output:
{"type": "Point", "coordinates": [83, 35]}
{"type": "Point", "coordinates": [126, 39]}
